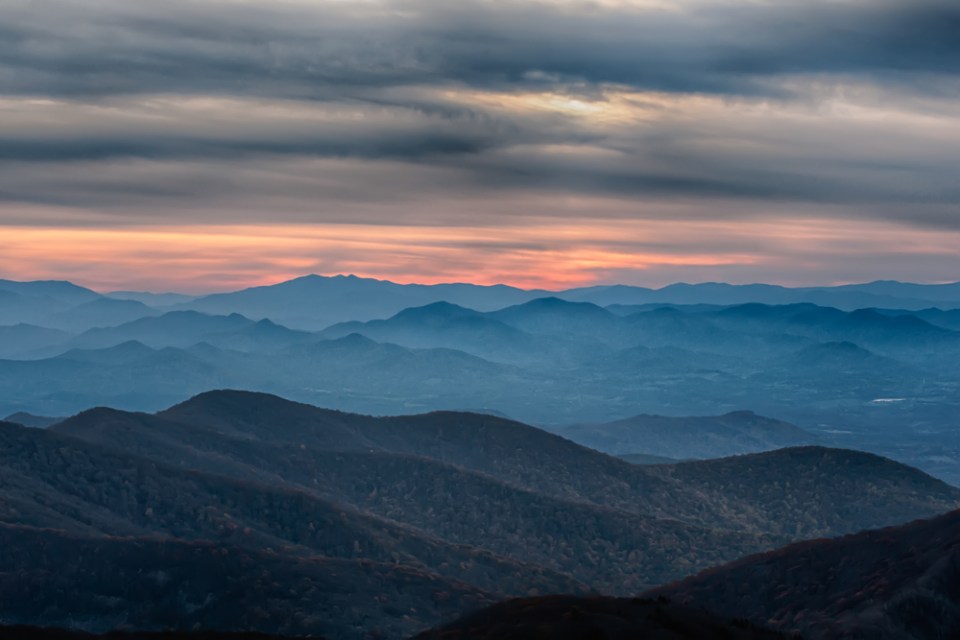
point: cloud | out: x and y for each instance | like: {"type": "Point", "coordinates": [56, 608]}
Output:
{"type": "Point", "coordinates": [421, 114]}
{"type": "Point", "coordinates": [326, 49]}
{"type": "Point", "coordinates": [537, 253]}
{"type": "Point", "coordinates": [216, 159]}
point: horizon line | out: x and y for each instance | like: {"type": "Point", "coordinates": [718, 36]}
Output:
{"type": "Point", "coordinates": [335, 276]}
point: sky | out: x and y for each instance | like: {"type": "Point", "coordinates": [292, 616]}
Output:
{"type": "Point", "coordinates": [206, 145]}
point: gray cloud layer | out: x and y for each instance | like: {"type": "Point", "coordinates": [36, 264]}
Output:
{"type": "Point", "coordinates": [381, 96]}
{"type": "Point", "coordinates": [101, 47]}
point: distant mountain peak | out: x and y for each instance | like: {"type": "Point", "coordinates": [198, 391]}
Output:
{"type": "Point", "coordinates": [235, 395]}
{"type": "Point", "coordinates": [31, 420]}
{"type": "Point", "coordinates": [555, 303]}
{"type": "Point", "coordinates": [243, 401]}
{"type": "Point", "coordinates": [128, 347]}
{"type": "Point", "coordinates": [96, 416]}
{"type": "Point", "coordinates": [354, 338]}
{"type": "Point", "coordinates": [437, 309]}
{"type": "Point", "coordinates": [316, 277]}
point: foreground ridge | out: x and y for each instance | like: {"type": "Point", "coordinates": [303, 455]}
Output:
{"type": "Point", "coordinates": [896, 583]}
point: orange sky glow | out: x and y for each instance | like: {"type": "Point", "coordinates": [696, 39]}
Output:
{"type": "Point", "coordinates": [198, 259]}
{"type": "Point", "coordinates": [552, 144]}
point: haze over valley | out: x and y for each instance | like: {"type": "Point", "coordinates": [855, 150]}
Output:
{"type": "Point", "coordinates": [885, 380]}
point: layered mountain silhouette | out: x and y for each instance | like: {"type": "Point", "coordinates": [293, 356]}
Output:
{"type": "Point", "coordinates": [100, 312]}
{"type": "Point", "coordinates": [948, 319]}
{"type": "Point", "coordinates": [340, 524]}
{"type": "Point", "coordinates": [312, 302]}
{"type": "Point", "coordinates": [24, 339]}
{"type": "Point", "coordinates": [56, 290]}
{"type": "Point", "coordinates": [884, 380]}
{"type": "Point", "coordinates": [33, 302]}
{"type": "Point", "coordinates": [161, 505]}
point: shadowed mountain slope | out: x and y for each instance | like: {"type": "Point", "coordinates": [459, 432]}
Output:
{"type": "Point", "coordinates": [24, 632]}
{"type": "Point", "coordinates": [610, 549]}
{"type": "Point", "coordinates": [59, 482]}
{"type": "Point", "coordinates": [568, 618]}
{"type": "Point", "coordinates": [100, 584]}
{"type": "Point", "coordinates": [899, 583]}
{"type": "Point", "coordinates": [508, 509]}
{"type": "Point", "coordinates": [829, 487]}
{"type": "Point", "coordinates": [532, 459]}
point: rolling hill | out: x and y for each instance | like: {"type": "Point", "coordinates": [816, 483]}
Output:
{"type": "Point", "coordinates": [20, 340]}
{"type": "Point", "coordinates": [458, 503]}
{"type": "Point", "coordinates": [898, 583]}
{"type": "Point", "coordinates": [173, 329]}
{"type": "Point", "coordinates": [100, 584]}
{"type": "Point", "coordinates": [100, 312]}
{"type": "Point", "coordinates": [542, 359]}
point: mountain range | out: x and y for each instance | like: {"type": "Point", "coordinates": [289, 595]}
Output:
{"type": "Point", "coordinates": [314, 302]}
{"type": "Point", "coordinates": [347, 525]}
{"type": "Point", "coordinates": [697, 461]}
{"type": "Point", "coordinates": [882, 380]}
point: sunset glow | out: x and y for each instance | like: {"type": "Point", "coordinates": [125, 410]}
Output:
{"type": "Point", "coordinates": [541, 144]}
{"type": "Point", "coordinates": [200, 259]}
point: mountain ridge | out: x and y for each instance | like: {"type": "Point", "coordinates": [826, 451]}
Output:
{"type": "Point", "coordinates": [894, 583]}
{"type": "Point", "coordinates": [430, 501]}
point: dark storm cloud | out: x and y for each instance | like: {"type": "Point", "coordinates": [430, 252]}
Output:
{"type": "Point", "coordinates": [323, 50]}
